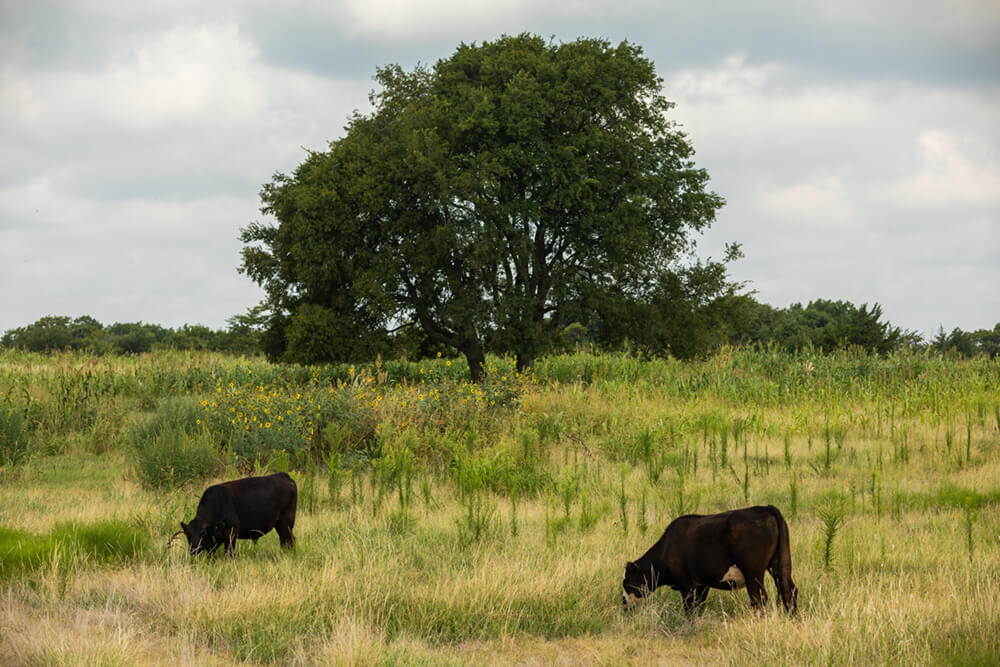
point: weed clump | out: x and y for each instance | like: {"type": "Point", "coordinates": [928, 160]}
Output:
{"type": "Point", "coordinates": [171, 448]}
{"type": "Point", "coordinates": [14, 436]}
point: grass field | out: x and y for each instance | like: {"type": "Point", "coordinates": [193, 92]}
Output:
{"type": "Point", "coordinates": [443, 523]}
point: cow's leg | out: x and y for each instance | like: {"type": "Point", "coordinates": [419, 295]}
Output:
{"type": "Point", "coordinates": [231, 534]}
{"type": "Point", "coordinates": [755, 587]}
{"type": "Point", "coordinates": [286, 521]}
{"type": "Point", "coordinates": [786, 589]}
{"type": "Point", "coordinates": [285, 535]}
{"type": "Point", "coordinates": [688, 597]}
{"type": "Point", "coordinates": [790, 595]}
{"type": "Point", "coordinates": [700, 594]}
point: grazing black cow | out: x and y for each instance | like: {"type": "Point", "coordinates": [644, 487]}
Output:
{"type": "Point", "coordinates": [727, 551]}
{"type": "Point", "coordinates": [243, 509]}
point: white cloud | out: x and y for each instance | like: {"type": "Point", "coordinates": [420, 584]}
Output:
{"type": "Point", "coordinates": [179, 78]}
{"type": "Point", "coordinates": [128, 185]}
{"type": "Point", "coordinates": [952, 170]}
{"type": "Point", "coordinates": [403, 19]}
{"type": "Point", "coordinates": [185, 110]}
{"type": "Point", "coordinates": [825, 204]}
{"type": "Point", "coordinates": [183, 75]}
{"type": "Point", "coordinates": [167, 262]}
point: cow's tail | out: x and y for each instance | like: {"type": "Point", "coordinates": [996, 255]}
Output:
{"type": "Point", "coordinates": [781, 565]}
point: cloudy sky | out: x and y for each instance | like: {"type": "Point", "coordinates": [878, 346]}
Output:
{"type": "Point", "coordinates": [856, 143]}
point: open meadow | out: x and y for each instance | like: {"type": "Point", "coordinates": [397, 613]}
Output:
{"type": "Point", "coordinates": [446, 523]}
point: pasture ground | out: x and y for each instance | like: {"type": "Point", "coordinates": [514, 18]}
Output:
{"type": "Point", "coordinates": [507, 546]}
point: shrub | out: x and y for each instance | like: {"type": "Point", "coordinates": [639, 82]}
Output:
{"type": "Point", "coordinates": [172, 448]}
{"type": "Point", "coordinates": [174, 458]}
{"type": "Point", "coordinates": [14, 436]}
{"type": "Point", "coordinates": [259, 421]}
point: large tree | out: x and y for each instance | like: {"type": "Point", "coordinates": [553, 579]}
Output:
{"type": "Point", "coordinates": [481, 200]}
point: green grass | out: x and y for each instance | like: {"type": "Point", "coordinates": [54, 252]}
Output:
{"type": "Point", "coordinates": [108, 542]}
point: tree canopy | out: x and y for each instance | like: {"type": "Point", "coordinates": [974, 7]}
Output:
{"type": "Point", "coordinates": [826, 325]}
{"type": "Point", "coordinates": [485, 200]}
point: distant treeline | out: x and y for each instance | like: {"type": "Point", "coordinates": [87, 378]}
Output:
{"type": "Point", "coordinates": [85, 333]}
{"type": "Point", "coordinates": [830, 325]}
{"type": "Point", "coordinates": [825, 325]}
{"type": "Point", "coordinates": [821, 325]}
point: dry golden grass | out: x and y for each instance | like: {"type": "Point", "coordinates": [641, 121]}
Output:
{"type": "Point", "coordinates": [361, 590]}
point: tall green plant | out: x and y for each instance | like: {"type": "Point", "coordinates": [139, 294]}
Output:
{"type": "Point", "coordinates": [970, 514]}
{"type": "Point", "coordinates": [832, 512]}
{"type": "Point", "coordinates": [14, 436]}
{"type": "Point", "coordinates": [623, 501]}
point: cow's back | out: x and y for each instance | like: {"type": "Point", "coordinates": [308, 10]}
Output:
{"type": "Point", "coordinates": [259, 501]}
{"type": "Point", "coordinates": [698, 547]}
{"type": "Point", "coordinates": [214, 503]}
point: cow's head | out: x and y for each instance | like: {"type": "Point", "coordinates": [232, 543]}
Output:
{"type": "Point", "coordinates": [202, 536]}
{"type": "Point", "coordinates": [636, 583]}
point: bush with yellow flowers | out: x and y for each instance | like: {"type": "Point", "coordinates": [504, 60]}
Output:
{"type": "Point", "coordinates": [438, 398]}
{"type": "Point", "coordinates": [255, 418]}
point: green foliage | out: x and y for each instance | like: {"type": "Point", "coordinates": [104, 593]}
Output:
{"type": "Point", "coordinates": [395, 469]}
{"type": "Point", "coordinates": [623, 502]}
{"type": "Point", "coordinates": [968, 343]}
{"type": "Point", "coordinates": [316, 334]}
{"type": "Point", "coordinates": [14, 435]}
{"type": "Point", "coordinates": [21, 551]}
{"type": "Point", "coordinates": [831, 510]}
{"type": "Point", "coordinates": [257, 416]}
{"type": "Point", "coordinates": [50, 333]}
{"type": "Point", "coordinates": [970, 515]}
{"type": "Point", "coordinates": [685, 311]}
{"type": "Point", "coordinates": [172, 447]}
{"type": "Point", "coordinates": [468, 203]}
{"type": "Point", "coordinates": [335, 475]}
{"type": "Point", "coordinates": [824, 325]}
{"type": "Point", "coordinates": [174, 458]}
{"type": "Point", "coordinates": [57, 333]}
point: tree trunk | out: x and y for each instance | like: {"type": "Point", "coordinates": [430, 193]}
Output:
{"type": "Point", "coordinates": [477, 360]}
{"type": "Point", "coordinates": [525, 360]}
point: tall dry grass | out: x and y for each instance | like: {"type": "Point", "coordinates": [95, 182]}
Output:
{"type": "Point", "coordinates": [502, 539]}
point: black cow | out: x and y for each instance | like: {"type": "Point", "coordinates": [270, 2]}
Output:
{"type": "Point", "coordinates": [726, 551]}
{"type": "Point", "coordinates": [243, 509]}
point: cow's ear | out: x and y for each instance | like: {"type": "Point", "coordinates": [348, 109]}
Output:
{"type": "Point", "coordinates": [184, 526]}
